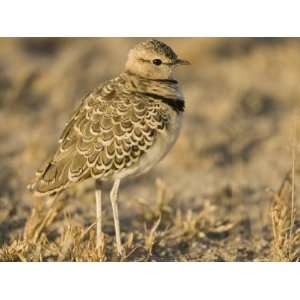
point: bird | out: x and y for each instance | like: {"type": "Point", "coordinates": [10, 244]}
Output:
{"type": "Point", "coordinates": [122, 128]}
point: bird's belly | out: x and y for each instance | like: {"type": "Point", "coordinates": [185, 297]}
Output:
{"type": "Point", "coordinates": [164, 142]}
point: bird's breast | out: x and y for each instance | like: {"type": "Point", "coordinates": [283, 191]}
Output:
{"type": "Point", "coordinates": [165, 140]}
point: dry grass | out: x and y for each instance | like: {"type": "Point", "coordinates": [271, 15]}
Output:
{"type": "Point", "coordinates": [286, 231]}
{"type": "Point", "coordinates": [40, 242]}
{"type": "Point", "coordinates": [285, 225]}
{"type": "Point", "coordinates": [212, 204]}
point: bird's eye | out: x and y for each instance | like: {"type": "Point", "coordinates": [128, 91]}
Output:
{"type": "Point", "coordinates": [156, 62]}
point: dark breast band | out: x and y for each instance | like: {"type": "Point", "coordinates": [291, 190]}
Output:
{"type": "Point", "coordinates": [177, 104]}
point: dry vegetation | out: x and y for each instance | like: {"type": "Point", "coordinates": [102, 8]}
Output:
{"type": "Point", "coordinates": [211, 199]}
{"type": "Point", "coordinates": [286, 234]}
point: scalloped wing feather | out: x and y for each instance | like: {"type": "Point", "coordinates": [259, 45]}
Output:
{"type": "Point", "coordinates": [110, 131]}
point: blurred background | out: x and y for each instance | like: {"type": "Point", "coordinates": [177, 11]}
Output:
{"type": "Point", "coordinates": [242, 106]}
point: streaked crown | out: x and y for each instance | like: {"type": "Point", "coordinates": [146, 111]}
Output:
{"type": "Point", "coordinates": [153, 59]}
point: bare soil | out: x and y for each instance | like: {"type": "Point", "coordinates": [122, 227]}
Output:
{"type": "Point", "coordinates": [210, 199]}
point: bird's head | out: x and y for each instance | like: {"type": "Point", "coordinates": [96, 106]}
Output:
{"type": "Point", "coordinates": [154, 60]}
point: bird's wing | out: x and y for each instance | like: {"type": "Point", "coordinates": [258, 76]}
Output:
{"type": "Point", "coordinates": [110, 131]}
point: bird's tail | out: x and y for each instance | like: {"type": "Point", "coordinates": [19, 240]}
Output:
{"type": "Point", "coordinates": [51, 178]}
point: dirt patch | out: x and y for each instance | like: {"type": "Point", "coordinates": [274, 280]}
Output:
{"type": "Point", "coordinates": [211, 199]}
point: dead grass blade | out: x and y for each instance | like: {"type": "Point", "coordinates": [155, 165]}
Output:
{"type": "Point", "coordinates": [41, 218]}
{"type": "Point", "coordinates": [150, 237]}
{"type": "Point", "coordinates": [286, 237]}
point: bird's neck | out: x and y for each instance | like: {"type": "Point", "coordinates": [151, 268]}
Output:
{"type": "Point", "coordinates": [166, 91]}
{"type": "Point", "coordinates": [159, 87]}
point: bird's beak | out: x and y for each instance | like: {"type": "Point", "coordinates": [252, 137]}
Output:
{"type": "Point", "coordinates": [182, 62]}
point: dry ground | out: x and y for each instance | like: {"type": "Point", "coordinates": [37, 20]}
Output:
{"type": "Point", "coordinates": [213, 198]}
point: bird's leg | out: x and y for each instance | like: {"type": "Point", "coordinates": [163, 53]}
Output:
{"type": "Point", "coordinates": [114, 204]}
{"type": "Point", "coordinates": [98, 214]}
